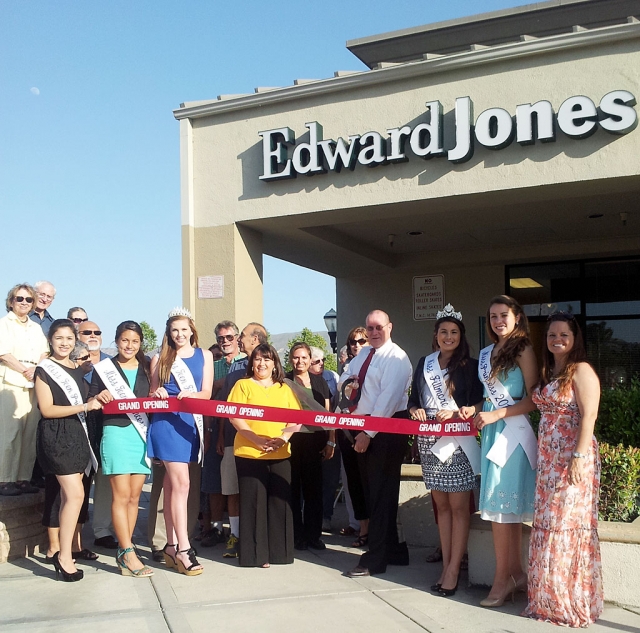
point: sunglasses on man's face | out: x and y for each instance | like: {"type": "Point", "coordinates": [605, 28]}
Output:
{"type": "Point", "coordinates": [90, 332]}
{"type": "Point", "coordinates": [226, 337]}
{"type": "Point", "coordinates": [21, 299]}
{"type": "Point", "coordinates": [359, 341]}
{"type": "Point", "coordinates": [79, 320]}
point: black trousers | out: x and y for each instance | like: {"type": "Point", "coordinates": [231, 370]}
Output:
{"type": "Point", "coordinates": [380, 468]}
{"type": "Point", "coordinates": [354, 478]}
{"type": "Point", "coordinates": [306, 484]}
{"type": "Point", "coordinates": [266, 528]}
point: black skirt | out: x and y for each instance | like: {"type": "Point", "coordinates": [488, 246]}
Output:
{"type": "Point", "coordinates": [62, 446]}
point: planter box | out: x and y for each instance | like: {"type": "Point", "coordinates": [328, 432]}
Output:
{"type": "Point", "coordinates": [21, 530]}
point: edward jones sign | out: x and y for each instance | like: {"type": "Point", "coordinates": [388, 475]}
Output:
{"type": "Point", "coordinates": [577, 117]}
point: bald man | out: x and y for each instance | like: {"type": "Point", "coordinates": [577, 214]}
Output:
{"type": "Point", "coordinates": [384, 374]}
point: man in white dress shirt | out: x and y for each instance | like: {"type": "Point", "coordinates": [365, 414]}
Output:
{"type": "Point", "coordinates": [384, 393]}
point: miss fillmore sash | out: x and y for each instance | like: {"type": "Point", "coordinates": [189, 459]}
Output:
{"type": "Point", "coordinates": [184, 378]}
{"type": "Point", "coordinates": [445, 447]}
{"type": "Point", "coordinates": [120, 390]}
{"type": "Point", "coordinates": [71, 390]}
{"type": "Point", "coordinates": [517, 428]}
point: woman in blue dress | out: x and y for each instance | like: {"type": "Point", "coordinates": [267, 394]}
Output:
{"type": "Point", "coordinates": [184, 370]}
{"type": "Point", "coordinates": [509, 372]}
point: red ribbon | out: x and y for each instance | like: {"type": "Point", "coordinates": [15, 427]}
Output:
{"type": "Point", "coordinates": [327, 420]}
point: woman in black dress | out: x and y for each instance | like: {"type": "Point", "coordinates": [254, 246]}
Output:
{"type": "Point", "coordinates": [62, 442]}
{"type": "Point", "coordinates": [307, 452]}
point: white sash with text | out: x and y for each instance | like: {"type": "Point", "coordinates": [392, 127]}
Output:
{"type": "Point", "coordinates": [72, 392]}
{"type": "Point", "coordinates": [445, 447]}
{"type": "Point", "coordinates": [185, 381]}
{"type": "Point", "coordinates": [517, 428]}
{"type": "Point", "coordinates": [120, 390]}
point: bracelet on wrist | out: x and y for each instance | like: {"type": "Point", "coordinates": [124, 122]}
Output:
{"type": "Point", "coordinates": [577, 455]}
{"type": "Point", "coordinates": [284, 439]}
{"type": "Point", "coordinates": [330, 443]}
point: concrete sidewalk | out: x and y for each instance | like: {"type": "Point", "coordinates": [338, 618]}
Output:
{"type": "Point", "coordinates": [310, 595]}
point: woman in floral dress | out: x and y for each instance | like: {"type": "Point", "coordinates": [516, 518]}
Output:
{"type": "Point", "coordinates": [565, 572]}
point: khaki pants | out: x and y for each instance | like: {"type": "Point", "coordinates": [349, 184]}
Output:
{"type": "Point", "coordinates": [156, 531]}
{"type": "Point", "coordinates": [19, 417]}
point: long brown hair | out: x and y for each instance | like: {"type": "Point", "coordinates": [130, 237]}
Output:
{"type": "Point", "coordinates": [168, 350]}
{"type": "Point", "coordinates": [507, 357]}
{"type": "Point", "coordinates": [133, 326]}
{"type": "Point", "coordinates": [460, 356]}
{"type": "Point", "coordinates": [578, 354]}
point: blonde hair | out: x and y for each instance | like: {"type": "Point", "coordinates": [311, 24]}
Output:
{"type": "Point", "coordinates": [168, 350]}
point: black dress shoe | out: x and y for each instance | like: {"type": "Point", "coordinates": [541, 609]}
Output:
{"type": "Point", "coordinates": [157, 555]}
{"type": "Point", "coordinates": [447, 593]}
{"type": "Point", "coordinates": [300, 544]}
{"type": "Point", "coordinates": [358, 572]}
{"type": "Point", "coordinates": [107, 542]}
{"type": "Point", "coordinates": [316, 544]}
{"type": "Point", "coordinates": [436, 588]}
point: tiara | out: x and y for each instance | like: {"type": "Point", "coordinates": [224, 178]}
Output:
{"type": "Point", "coordinates": [449, 312]}
{"type": "Point", "coordinates": [183, 312]}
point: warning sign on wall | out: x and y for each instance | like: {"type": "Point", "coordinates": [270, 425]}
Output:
{"type": "Point", "coordinates": [428, 296]}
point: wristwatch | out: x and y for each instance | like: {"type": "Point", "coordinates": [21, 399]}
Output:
{"type": "Point", "coordinates": [577, 455]}
{"type": "Point", "coordinates": [332, 444]}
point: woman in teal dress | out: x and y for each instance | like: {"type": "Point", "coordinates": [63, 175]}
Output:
{"type": "Point", "coordinates": [508, 466]}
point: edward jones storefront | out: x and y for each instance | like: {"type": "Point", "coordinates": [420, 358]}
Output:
{"type": "Point", "coordinates": [490, 154]}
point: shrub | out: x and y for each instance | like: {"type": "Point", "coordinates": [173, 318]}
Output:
{"type": "Point", "coordinates": [619, 483]}
{"type": "Point", "coordinates": [619, 415]}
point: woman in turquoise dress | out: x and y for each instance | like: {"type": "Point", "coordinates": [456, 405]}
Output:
{"type": "Point", "coordinates": [508, 478]}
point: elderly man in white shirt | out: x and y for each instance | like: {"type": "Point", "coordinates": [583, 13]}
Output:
{"type": "Point", "coordinates": [384, 393]}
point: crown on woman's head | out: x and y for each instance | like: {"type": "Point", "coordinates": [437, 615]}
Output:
{"type": "Point", "coordinates": [449, 312]}
{"type": "Point", "coordinates": [183, 312]}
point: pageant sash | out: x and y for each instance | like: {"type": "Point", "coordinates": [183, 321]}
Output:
{"type": "Point", "coordinates": [325, 419]}
{"type": "Point", "coordinates": [118, 387]}
{"type": "Point", "coordinates": [72, 392]}
{"type": "Point", "coordinates": [184, 378]}
{"type": "Point", "coordinates": [445, 447]}
{"type": "Point", "coordinates": [517, 428]}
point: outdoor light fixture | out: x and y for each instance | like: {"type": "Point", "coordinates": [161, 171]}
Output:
{"type": "Point", "coordinates": [331, 322]}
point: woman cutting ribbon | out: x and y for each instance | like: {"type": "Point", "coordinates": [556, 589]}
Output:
{"type": "Point", "coordinates": [123, 449]}
{"type": "Point", "coordinates": [508, 371]}
{"type": "Point", "coordinates": [184, 370]}
{"type": "Point", "coordinates": [446, 385]}
{"type": "Point", "coordinates": [62, 441]}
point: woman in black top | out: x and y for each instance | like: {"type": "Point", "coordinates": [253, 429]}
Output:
{"type": "Point", "coordinates": [62, 443]}
{"type": "Point", "coordinates": [123, 448]}
{"type": "Point", "coordinates": [307, 452]}
{"type": "Point", "coordinates": [446, 385]}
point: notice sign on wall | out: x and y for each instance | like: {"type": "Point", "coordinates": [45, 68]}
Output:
{"type": "Point", "coordinates": [428, 296]}
{"type": "Point", "coordinates": [211, 287]}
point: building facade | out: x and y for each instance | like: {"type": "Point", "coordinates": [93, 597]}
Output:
{"type": "Point", "coordinates": [493, 154]}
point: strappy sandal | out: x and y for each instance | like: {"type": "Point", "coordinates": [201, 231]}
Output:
{"type": "Point", "coordinates": [188, 571]}
{"type": "Point", "coordinates": [348, 531]}
{"type": "Point", "coordinates": [361, 541]}
{"type": "Point", "coordinates": [125, 570]}
{"type": "Point", "coordinates": [169, 561]}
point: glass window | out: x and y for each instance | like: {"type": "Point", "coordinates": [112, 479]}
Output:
{"type": "Point", "coordinates": [613, 346]}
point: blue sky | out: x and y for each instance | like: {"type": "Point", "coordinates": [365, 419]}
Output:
{"type": "Point", "coordinates": [89, 159]}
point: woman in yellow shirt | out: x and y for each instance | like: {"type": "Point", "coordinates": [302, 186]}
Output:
{"type": "Point", "coordinates": [262, 456]}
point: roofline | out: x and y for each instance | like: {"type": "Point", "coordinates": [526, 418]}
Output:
{"type": "Point", "coordinates": [470, 19]}
{"type": "Point", "coordinates": [446, 63]}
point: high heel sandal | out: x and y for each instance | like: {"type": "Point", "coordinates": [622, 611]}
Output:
{"type": "Point", "coordinates": [169, 561]}
{"type": "Point", "coordinates": [361, 541]}
{"type": "Point", "coordinates": [188, 571]}
{"type": "Point", "coordinates": [60, 571]}
{"type": "Point", "coordinates": [521, 583]}
{"type": "Point", "coordinates": [125, 570]}
{"type": "Point", "coordinates": [492, 603]}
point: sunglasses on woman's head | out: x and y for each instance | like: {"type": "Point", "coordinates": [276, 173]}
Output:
{"type": "Point", "coordinates": [359, 341]}
{"type": "Point", "coordinates": [21, 299]}
{"type": "Point", "coordinates": [78, 320]}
